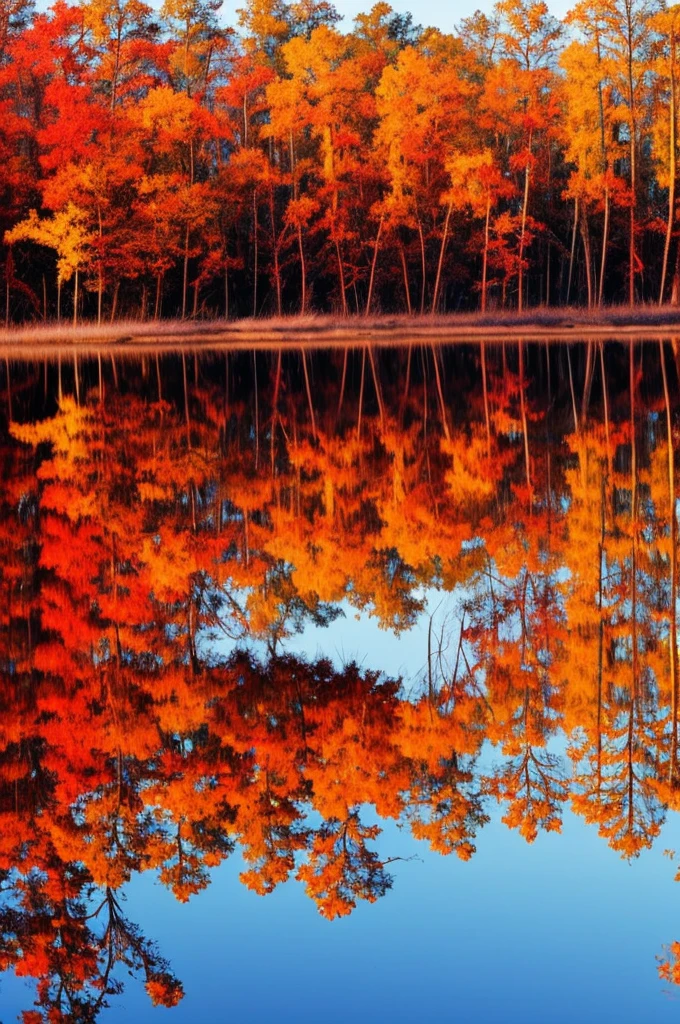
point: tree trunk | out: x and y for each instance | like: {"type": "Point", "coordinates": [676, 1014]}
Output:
{"type": "Point", "coordinates": [159, 286]}
{"type": "Point", "coordinates": [185, 273]}
{"type": "Point", "coordinates": [442, 250]}
{"type": "Point", "coordinates": [522, 234]}
{"type": "Point", "coordinates": [485, 255]}
{"type": "Point", "coordinates": [114, 304]}
{"type": "Point", "coordinates": [672, 170]}
{"type": "Point", "coordinates": [633, 158]}
{"type": "Point", "coordinates": [303, 272]}
{"type": "Point", "coordinates": [407, 288]}
{"type": "Point", "coordinates": [605, 243]}
{"type": "Point", "coordinates": [75, 299]}
{"type": "Point", "coordinates": [585, 235]}
{"type": "Point", "coordinates": [341, 276]}
{"type": "Point", "coordinates": [375, 260]}
{"type": "Point", "coordinates": [675, 290]}
{"type": "Point", "coordinates": [275, 248]}
{"type": "Point", "coordinates": [255, 253]}
{"type": "Point", "coordinates": [573, 251]}
{"type": "Point", "coordinates": [423, 268]}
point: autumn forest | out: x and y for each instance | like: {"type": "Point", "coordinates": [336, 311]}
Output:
{"type": "Point", "coordinates": [159, 163]}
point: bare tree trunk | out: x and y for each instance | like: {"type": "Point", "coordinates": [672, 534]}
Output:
{"type": "Point", "coordinates": [585, 235]}
{"type": "Point", "coordinates": [255, 253]}
{"type": "Point", "coordinates": [275, 248]}
{"type": "Point", "coordinates": [605, 245]}
{"type": "Point", "coordinates": [675, 290]}
{"type": "Point", "coordinates": [185, 273]}
{"type": "Point", "coordinates": [303, 272]}
{"type": "Point", "coordinates": [75, 299]}
{"type": "Point", "coordinates": [522, 236]}
{"type": "Point", "coordinates": [573, 251]}
{"type": "Point", "coordinates": [442, 250]}
{"type": "Point", "coordinates": [341, 277]}
{"type": "Point", "coordinates": [485, 255]}
{"type": "Point", "coordinates": [407, 288]}
{"type": "Point", "coordinates": [672, 171]}
{"type": "Point", "coordinates": [375, 260]}
{"type": "Point", "coordinates": [633, 154]}
{"type": "Point", "coordinates": [157, 307]}
{"type": "Point", "coordinates": [114, 304]}
{"type": "Point", "coordinates": [423, 267]}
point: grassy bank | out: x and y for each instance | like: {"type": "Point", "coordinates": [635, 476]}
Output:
{"type": "Point", "coordinates": [540, 323]}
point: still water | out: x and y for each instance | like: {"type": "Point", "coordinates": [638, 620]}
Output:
{"type": "Point", "coordinates": [341, 685]}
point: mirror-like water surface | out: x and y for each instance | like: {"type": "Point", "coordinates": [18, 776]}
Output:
{"type": "Point", "coordinates": [386, 636]}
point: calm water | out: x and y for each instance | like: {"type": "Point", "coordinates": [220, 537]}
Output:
{"type": "Point", "coordinates": [341, 685]}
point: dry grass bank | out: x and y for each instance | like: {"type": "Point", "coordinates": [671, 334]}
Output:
{"type": "Point", "coordinates": [321, 330]}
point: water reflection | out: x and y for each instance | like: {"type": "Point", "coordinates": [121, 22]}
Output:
{"type": "Point", "coordinates": [168, 522]}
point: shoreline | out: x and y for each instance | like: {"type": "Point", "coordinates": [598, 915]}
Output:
{"type": "Point", "coordinates": [644, 323]}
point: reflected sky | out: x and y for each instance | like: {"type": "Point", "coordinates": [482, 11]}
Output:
{"type": "Point", "coordinates": [341, 683]}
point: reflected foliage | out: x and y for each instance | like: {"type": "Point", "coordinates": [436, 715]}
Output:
{"type": "Point", "coordinates": [169, 523]}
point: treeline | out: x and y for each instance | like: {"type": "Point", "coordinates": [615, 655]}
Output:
{"type": "Point", "coordinates": [163, 164]}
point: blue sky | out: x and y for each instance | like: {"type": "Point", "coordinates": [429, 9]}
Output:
{"type": "Point", "coordinates": [443, 14]}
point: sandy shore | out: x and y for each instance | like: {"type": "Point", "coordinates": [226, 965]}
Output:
{"type": "Point", "coordinates": [645, 322]}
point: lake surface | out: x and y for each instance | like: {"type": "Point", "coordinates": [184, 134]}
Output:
{"type": "Point", "coordinates": [341, 685]}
